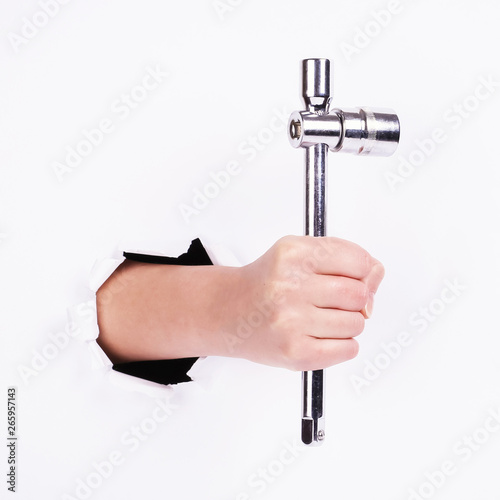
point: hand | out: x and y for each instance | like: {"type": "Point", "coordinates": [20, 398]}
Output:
{"type": "Point", "coordinates": [302, 302]}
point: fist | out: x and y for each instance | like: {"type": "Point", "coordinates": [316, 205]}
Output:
{"type": "Point", "coordinates": [301, 304]}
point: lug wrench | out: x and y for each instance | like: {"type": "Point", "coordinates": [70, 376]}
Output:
{"type": "Point", "coordinates": [360, 131]}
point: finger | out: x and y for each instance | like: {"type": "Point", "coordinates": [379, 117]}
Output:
{"type": "Point", "coordinates": [323, 353]}
{"type": "Point", "coordinates": [372, 282]}
{"type": "Point", "coordinates": [375, 276]}
{"type": "Point", "coordinates": [367, 311]}
{"type": "Point", "coordinates": [334, 324]}
{"type": "Point", "coordinates": [338, 257]}
{"type": "Point", "coordinates": [336, 292]}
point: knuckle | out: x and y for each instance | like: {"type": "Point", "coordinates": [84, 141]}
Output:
{"type": "Point", "coordinates": [362, 295]}
{"type": "Point", "coordinates": [357, 294]}
{"type": "Point", "coordinates": [332, 247]}
{"type": "Point", "coordinates": [365, 262]}
{"type": "Point", "coordinates": [284, 253]}
{"type": "Point", "coordinates": [357, 324]}
{"type": "Point", "coordinates": [351, 349]}
{"type": "Point", "coordinates": [286, 247]}
{"type": "Point", "coordinates": [288, 260]}
{"type": "Point", "coordinates": [378, 270]}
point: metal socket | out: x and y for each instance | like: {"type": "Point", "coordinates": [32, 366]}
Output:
{"type": "Point", "coordinates": [316, 85]}
{"type": "Point", "coordinates": [367, 131]}
{"type": "Point", "coordinates": [360, 131]}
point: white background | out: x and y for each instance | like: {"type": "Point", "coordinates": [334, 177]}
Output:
{"type": "Point", "coordinates": [228, 73]}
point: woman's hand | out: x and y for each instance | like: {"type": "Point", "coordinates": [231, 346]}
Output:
{"type": "Point", "coordinates": [302, 302]}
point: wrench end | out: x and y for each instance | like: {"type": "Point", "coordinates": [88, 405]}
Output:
{"type": "Point", "coordinates": [313, 431]}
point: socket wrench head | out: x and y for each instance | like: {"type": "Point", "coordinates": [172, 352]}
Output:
{"type": "Point", "coordinates": [368, 131]}
{"type": "Point", "coordinates": [316, 85]}
{"type": "Point", "coordinates": [359, 131]}
{"type": "Point", "coordinates": [306, 129]}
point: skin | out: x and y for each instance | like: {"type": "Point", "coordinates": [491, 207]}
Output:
{"type": "Point", "coordinates": [299, 306]}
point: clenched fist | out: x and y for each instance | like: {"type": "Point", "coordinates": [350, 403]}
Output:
{"type": "Point", "coordinates": [302, 302]}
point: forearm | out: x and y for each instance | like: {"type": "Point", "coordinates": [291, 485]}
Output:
{"type": "Point", "coordinates": [154, 311]}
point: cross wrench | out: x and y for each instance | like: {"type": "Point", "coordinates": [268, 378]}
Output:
{"type": "Point", "coordinates": [318, 129]}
